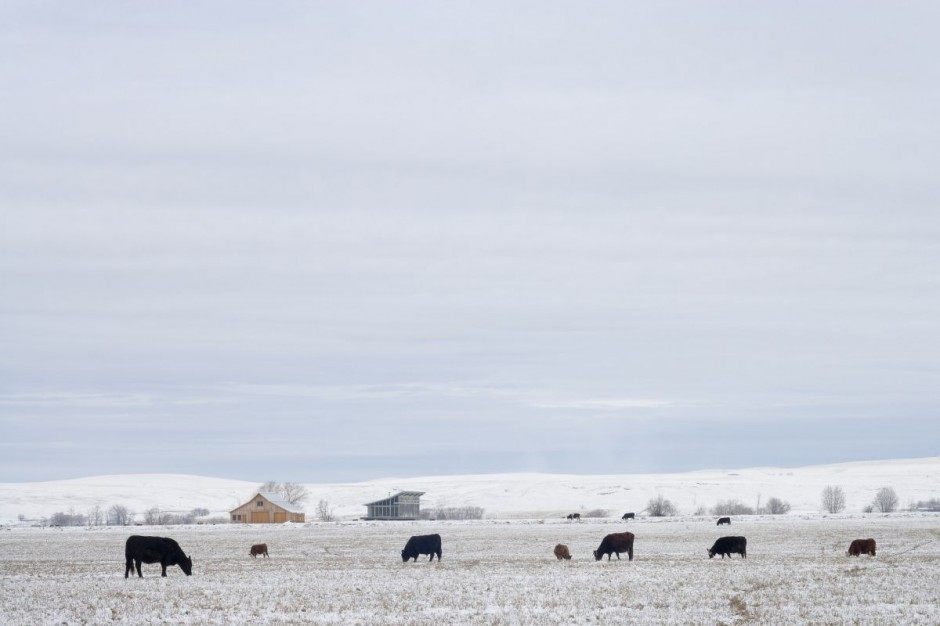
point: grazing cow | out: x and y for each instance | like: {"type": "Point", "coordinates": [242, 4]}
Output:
{"type": "Point", "coordinates": [422, 544]}
{"type": "Point", "coordinates": [723, 520]}
{"type": "Point", "coordinates": [862, 546]}
{"type": "Point", "coordinates": [561, 552]}
{"type": "Point", "coordinates": [576, 516]}
{"type": "Point", "coordinates": [629, 516]}
{"type": "Point", "coordinates": [259, 548]}
{"type": "Point", "coordinates": [615, 543]}
{"type": "Point", "coordinates": [162, 550]}
{"type": "Point", "coordinates": [728, 546]}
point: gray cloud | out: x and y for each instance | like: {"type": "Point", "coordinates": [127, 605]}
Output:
{"type": "Point", "coordinates": [358, 240]}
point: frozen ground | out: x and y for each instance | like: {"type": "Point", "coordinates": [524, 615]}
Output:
{"type": "Point", "coordinates": [501, 495]}
{"type": "Point", "coordinates": [492, 572]}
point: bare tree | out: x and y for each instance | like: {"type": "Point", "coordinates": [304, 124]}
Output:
{"type": "Point", "coordinates": [95, 516]}
{"type": "Point", "coordinates": [886, 500]}
{"type": "Point", "coordinates": [776, 506]}
{"type": "Point", "coordinates": [294, 493]}
{"type": "Point", "coordinates": [324, 511]}
{"type": "Point", "coordinates": [661, 507]}
{"type": "Point", "coordinates": [154, 516]}
{"type": "Point", "coordinates": [833, 499]}
{"type": "Point", "coordinates": [118, 515]}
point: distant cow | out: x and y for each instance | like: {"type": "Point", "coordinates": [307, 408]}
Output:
{"type": "Point", "coordinates": [629, 516]}
{"type": "Point", "coordinates": [573, 516]}
{"type": "Point", "coordinates": [561, 552]}
{"type": "Point", "coordinates": [723, 520]}
{"type": "Point", "coordinates": [728, 546]}
{"type": "Point", "coordinates": [862, 546]}
{"type": "Point", "coordinates": [162, 550]}
{"type": "Point", "coordinates": [615, 543]}
{"type": "Point", "coordinates": [422, 544]}
{"type": "Point", "coordinates": [259, 548]}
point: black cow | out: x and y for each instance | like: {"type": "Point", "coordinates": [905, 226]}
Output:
{"type": "Point", "coordinates": [728, 546]}
{"type": "Point", "coordinates": [576, 516]}
{"type": "Point", "coordinates": [629, 516]}
{"type": "Point", "coordinates": [422, 544]}
{"type": "Point", "coordinates": [162, 550]}
{"type": "Point", "coordinates": [615, 543]}
{"type": "Point", "coordinates": [723, 520]}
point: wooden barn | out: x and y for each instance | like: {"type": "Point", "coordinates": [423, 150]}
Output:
{"type": "Point", "coordinates": [404, 505]}
{"type": "Point", "coordinates": [267, 508]}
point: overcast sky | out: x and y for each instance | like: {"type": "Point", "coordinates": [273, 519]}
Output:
{"type": "Point", "coordinates": [341, 241]}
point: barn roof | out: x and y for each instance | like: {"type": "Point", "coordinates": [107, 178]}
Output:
{"type": "Point", "coordinates": [390, 498]}
{"type": "Point", "coordinates": [276, 500]}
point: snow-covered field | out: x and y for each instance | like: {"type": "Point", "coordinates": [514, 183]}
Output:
{"type": "Point", "coordinates": [501, 495]}
{"type": "Point", "coordinates": [492, 572]}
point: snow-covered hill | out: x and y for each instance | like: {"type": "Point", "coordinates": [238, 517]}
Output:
{"type": "Point", "coordinates": [510, 495]}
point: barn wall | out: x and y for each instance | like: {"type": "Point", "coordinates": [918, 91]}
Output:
{"type": "Point", "coordinates": [267, 513]}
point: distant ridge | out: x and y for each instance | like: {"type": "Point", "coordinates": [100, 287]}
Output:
{"type": "Point", "coordinates": [510, 495]}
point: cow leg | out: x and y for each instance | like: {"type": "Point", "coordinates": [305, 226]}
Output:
{"type": "Point", "coordinates": [129, 567]}
{"type": "Point", "coordinates": [630, 553]}
{"type": "Point", "coordinates": [140, 574]}
{"type": "Point", "coordinates": [618, 556]}
{"type": "Point", "coordinates": [163, 569]}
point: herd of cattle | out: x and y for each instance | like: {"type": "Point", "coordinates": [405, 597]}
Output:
{"type": "Point", "coordinates": [167, 552]}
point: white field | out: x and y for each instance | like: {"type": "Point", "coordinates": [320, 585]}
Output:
{"type": "Point", "coordinates": [501, 495]}
{"type": "Point", "coordinates": [493, 572]}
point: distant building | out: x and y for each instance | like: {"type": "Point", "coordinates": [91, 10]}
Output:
{"type": "Point", "coordinates": [404, 505]}
{"type": "Point", "coordinates": [267, 508]}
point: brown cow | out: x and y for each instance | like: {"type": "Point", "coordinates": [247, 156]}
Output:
{"type": "Point", "coordinates": [259, 548]}
{"type": "Point", "coordinates": [561, 552]}
{"type": "Point", "coordinates": [862, 546]}
{"type": "Point", "coordinates": [615, 543]}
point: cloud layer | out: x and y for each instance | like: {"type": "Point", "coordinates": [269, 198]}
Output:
{"type": "Point", "coordinates": [353, 241]}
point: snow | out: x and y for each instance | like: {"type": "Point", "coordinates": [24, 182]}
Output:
{"type": "Point", "coordinates": [501, 495]}
{"type": "Point", "coordinates": [492, 572]}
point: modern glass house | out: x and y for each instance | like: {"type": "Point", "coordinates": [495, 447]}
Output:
{"type": "Point", "coordinates": [404, 505]}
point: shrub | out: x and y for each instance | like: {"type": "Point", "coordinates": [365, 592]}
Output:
{"type": "Point", "coordinates": [932, 505]}
{"type": "Point", "coordinates": [324, 512]}
{"type": "Point", "coordinates": [661, 507]}
{"type": "Point", "coordinates": [776, 506]}
{"type": "Point", "coordinates": [732, 507]}
{"type": "Point", "coordinates": [453, 513]}
{"type": "Point", "coordinates": [67, 519]}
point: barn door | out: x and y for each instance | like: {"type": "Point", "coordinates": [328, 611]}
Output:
{"type": "Point", "coordinates": [260, 517]}
{"type": "Point", "coordinates": [280, 517]}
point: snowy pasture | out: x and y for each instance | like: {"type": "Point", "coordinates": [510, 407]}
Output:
{"type": "Point", "coordinates": [492, 572]}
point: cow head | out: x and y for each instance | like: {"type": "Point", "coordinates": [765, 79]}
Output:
{"type": "Point", "coordinates": [186, 564]}
{"type": "Point", "coordinates": [711, 553]}
{"type": "Point", "coordinates": [597, 555]}
{"type": "Point", "coordinates": [405, 556]}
